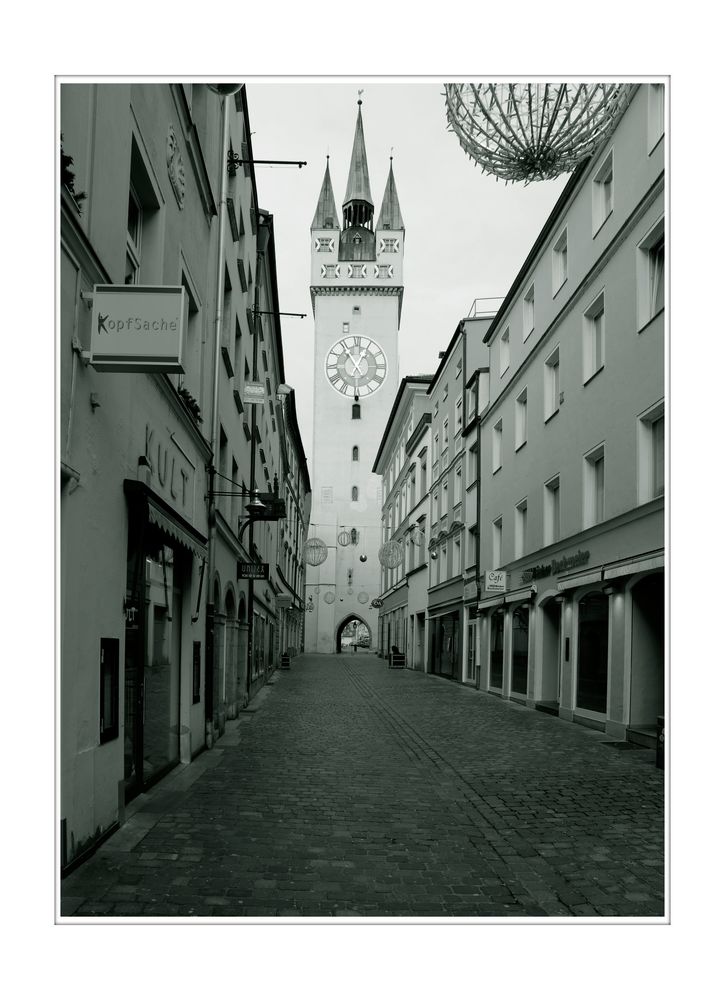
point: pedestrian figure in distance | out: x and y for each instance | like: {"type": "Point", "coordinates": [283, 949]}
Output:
{"type": "Point", "coordinates": [354, 646]}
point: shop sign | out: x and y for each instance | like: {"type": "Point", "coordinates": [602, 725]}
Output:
{"type": "Point", "coordinates": [496, 580]}
{"type": "Point", "coordinates": [252, 571]}
{"type": "Point", "coordinates": [138, 328]}
{"type": "Point", "coordinates": [556, 566]}
{"type": "Point", "coordinates": [284, 600]}
{"type": "Point", "coordinates": [253, 393]}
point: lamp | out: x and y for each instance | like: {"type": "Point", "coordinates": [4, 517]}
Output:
{"type": "Point", "coordinates": [225, 89]}
{"type": "Point", "coordinates": [609, 589]}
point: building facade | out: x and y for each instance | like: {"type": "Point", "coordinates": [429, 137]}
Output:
{"type": "Point", "coordinates": [401, 463]}
{"type": "Point", "coordinates": [572, 448]}
{"type": "Point", "coordinates": [152, 650]}
{"type": "Point", "coordinates": [357, 291]}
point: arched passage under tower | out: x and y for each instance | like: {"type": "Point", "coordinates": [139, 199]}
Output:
{"type": "Point", "coordinates": [352, 634]}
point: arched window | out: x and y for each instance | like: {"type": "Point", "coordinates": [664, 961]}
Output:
{"type": "Point", "coordinates": [355, 453]}
{"type": "Point", "coordinates": [354, 493]}
{"type": "Point", "coordinates": [355, 411]}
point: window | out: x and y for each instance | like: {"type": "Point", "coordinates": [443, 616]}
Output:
{"type": "Point", "coordinates": [651, 274]}
{"type": "Point", "coordinates": [459, 368]}
{"type": "Point", "coordinates": [651, 454]}
{"type": "Point", "coordinates": [471, 401]}
{"type": "Point", "coordinates": [355, 411]}
{"type": "Point", "coordinates": [496, 538]}
{"type": "Point", "coordinates": [497, 445]}
{"type": "Point", "coordinates": [459, 414]}
{"type": "Point", "coordinates": [434, 508]}
{"type": "Point", "coordinates": [411, 487]}
{"type": "Point", "coordinates": [594, 486]}
{"type": "Point", "coordinates": [520, 523]}
{"type": "Point", "coordinates": [559, 263]}
{"type": "Point", "coordinates": [445, 433]}
{"type": "Point", "coordinates": [602, 194]}
{"type": "Point", "coordinates": [593, 352]}
{"type": "Point", "coordinates": [521, 419]}
{"type": "Point", "coordinates": [423, 473]}
{"type": "Point", "coordinates": [354, 494]}
{"type": "Point", "coordinates": [444, 498]}
{"type": "Point", "coordinates": [445, 393]}
{"type": "Point", "coordinates": [133, 238]}
{"type": "Point", "coordinates": [108, 729]}
{"type": "Point", "coordinates": [457, 485]}
{"type": "Point", "coordinates": [552, 528]}
{"type": "Point", "coordinates": [456, 569]}
{"type": "Point", "coordinates": [655, 114]}
{"type": "Point", "coordinates": [435, 448]}
{"type": "Point", "coordinates": [355, 453]}
{"type": "Point", "coordinates": [551, 384]}
{"type": "Point", "coordinates": [504, 352]}
{"type": "Point", "coordinates": [528, 312]}
{"type": "Point", "coordinates": [443, 563]}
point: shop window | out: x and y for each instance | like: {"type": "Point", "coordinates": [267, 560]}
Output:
{"type": "Point", "coordinates": [109, 690]}
{"type": "Point", "coordinates": [196, 673]}
{"type": "Point", "coordinates": [496, 632]}
{"type": "Point", "coordinates": [520, 649]}
{"type": "Point", "coordinates": [593, 653]}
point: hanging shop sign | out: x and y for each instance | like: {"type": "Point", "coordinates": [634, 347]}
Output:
{"type": "Point", "coordinates": [496, 580]}
{"type": "Point", "coordinates": [138, 328]}
{"type": "Point", "coordinates": [253, 393]}
{"type": "Point", "coordinates": [252, 571]}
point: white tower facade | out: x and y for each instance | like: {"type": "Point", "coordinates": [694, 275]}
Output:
{"type": "Point", "coordinates": [357, 291]}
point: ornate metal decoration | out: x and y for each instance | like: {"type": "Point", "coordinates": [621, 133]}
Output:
{"type": "Point", "coordinates": [533, 131]}
{"type": "Point", "coordinates": [329, 597]}
{"type": "Point", "coordinates": [391, 554]}
{"type": "Point", "coordinates": [344, 538]}
{"type": "Point", "coordinates": [363, 597]}
{"type": "Point", "coordinates": [315, 552]}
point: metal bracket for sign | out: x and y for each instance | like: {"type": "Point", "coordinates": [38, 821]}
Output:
{"type": "Point", "coordinates": [195, 618]}
{"type": "Point", "coordinates": [87, 297]}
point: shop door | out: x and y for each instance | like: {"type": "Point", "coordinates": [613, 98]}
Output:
{"type": "Point", "coordinates": [472, 650]}
{"type": "Point", "coordinates": [520, 649]}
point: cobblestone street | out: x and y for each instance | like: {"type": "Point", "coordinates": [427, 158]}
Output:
{"type": "Point", "coordinates": [348, 789]}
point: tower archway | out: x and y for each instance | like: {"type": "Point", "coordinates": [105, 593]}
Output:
{"type": "Point", "coordinates": [350, 628]}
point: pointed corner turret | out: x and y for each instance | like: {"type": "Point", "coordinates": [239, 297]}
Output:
{"type": "Point", "coordinates": [326, 213]}
{"type": "Point", "coordinates": [390, 214]}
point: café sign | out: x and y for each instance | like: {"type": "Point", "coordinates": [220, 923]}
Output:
{"type": "Point", "coordinates": [138, 328]}
{"type": "Point", "coordinates": [496, 580]}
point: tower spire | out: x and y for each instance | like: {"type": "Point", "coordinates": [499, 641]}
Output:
{"type": "Point", "coordinates": [326, 213]}
{"type": "Point", "coordinates": [357, 208]}
{"type": "Point", "coordinates": [390, 215]}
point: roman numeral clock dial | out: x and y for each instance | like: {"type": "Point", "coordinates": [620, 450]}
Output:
{"type": "Point", "coordinates": [356, 366]}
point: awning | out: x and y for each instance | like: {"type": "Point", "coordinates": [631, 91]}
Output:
{"type": "Point", "coordinates": [507, 597]}
{"type": "Point", "coordinates": [165, 517]}
{"type": "Point", "coordinates": [637, 564]}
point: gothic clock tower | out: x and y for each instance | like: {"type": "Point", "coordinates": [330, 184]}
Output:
{"type": "Point", "coordinates": [357, 295]}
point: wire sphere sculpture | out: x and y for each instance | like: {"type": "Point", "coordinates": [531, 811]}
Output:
{"type": "Point", "coordinates": [391, 554]}
{"type": "Point", "coordinates": [344, 538]}
{"type": "Point", "coordinates": [329, 597]}
{"type": "Point", "coordinates": [532, 131]}
{"type": "Point", "coordinates": [315, 551]}
{"type": "Point", "coordinates": [363, 597]}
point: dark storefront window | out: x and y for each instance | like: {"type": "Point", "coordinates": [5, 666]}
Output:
{"type": "Point", "coordinates": [109, 690]}
{"type": "Point", "coordinates": [520, 650]}
{"type": "Point", "coordinates": [593, 649]}
{"type": "Point", "coordinates": [446, 645]}
{"type": "Point", "coordinates": [497, 649]}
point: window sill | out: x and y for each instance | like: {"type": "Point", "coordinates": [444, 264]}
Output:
{"type": "Point", "coordinates": [551, 415]}
{"type": "Point", "coordinates": [496, 470]}
{"type": "Point", "coordinates": [601, 225]}
{"type": "Point", "coordinates": [651, 320]}
{"type": "Point", "coordinates": [527, 335]}
{"type": "Point", "coordinates": [589, 378]}
{"type": "Point", "coordinates": [501, 374]}
{"type": "Point", "coordinates": [656, 144]}
{"type": "Point", "coordinates": [519, 446]}
{"type": "Point", "coordinates": [557, 290]}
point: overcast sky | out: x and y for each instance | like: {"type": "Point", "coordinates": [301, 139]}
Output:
{"type": "Point", "coordinates": [466, 234]}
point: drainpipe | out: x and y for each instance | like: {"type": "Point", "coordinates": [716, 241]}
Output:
{"type": "Point", "coordinates": [214, 437]}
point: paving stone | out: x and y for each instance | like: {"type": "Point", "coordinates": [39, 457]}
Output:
{"type": "Point", "coordinates": [354, 791]}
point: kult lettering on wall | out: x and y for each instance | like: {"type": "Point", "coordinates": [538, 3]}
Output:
{"type": "Point", "coordinates": [169, 471]}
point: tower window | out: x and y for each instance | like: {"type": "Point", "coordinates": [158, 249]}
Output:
{"type": "Point", "coordinates": [355, 453]}
{"type": "Point", "coordinates": [355, 411]}
{"type": "Point", "coordinates": [354, 493]}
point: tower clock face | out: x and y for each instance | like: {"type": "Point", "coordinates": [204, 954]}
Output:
{"type": "Point", "coordinates": [356, 366]}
